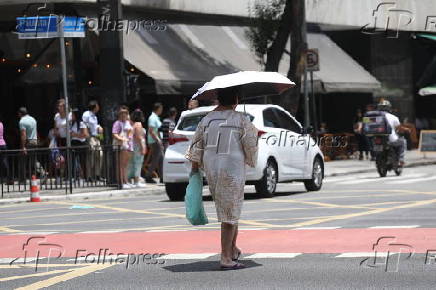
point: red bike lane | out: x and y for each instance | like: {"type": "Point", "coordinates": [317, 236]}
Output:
{"type": "Point", "coordinates": [417, 240]}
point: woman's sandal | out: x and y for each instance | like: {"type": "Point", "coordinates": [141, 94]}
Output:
{"type": "Point", "coordinates": [237, 257]}
{"type": "Point", "coordinates": [236, 266]}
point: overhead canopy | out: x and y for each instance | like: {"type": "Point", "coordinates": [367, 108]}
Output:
{"type": "Point", "coordinates": [183, 57]}
{"type": "Point", "coordinates": [339, 72]}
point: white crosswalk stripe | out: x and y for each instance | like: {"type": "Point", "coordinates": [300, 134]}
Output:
{"type": "Point", "coordinates": [187, 256]}
{"type": "Point", "coordinates": [272, 255]}
{"type": "Point", "coordinates": [100, 232]}
{"type": "Point", "coordinates": [17, 261]}
{"type": "Point", "coordinates": [317, 228]}
{"type": "Point", "coordinates": [35, 233]}
{"type": "Point", "coordinates": [358, 180]}
{"type": "Point", "coordinates": [413, 180]}
{"type": "Point", "coordinates": [363, 254]}
{"type": "Point", "coordinates": [395, 227]}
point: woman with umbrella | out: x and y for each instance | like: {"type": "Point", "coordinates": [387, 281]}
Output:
{"type": "Point", "coordinates": [225, 140]}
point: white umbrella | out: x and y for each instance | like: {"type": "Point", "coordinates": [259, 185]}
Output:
{"type": "Point", "coordinates": [428, 91]}
{"type": "Point", "coordinates": [253, 83]}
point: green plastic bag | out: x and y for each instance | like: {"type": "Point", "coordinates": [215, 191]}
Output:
{"type": "Point", "coordinates": [194, 200]}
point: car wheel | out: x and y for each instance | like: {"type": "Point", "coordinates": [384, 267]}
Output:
{"type": "Point", "coordinates": [268, 184]}
{"type": "Point", "coordinates": [315, 183]}
{"type": "Point", "coordinates": [176, 191]}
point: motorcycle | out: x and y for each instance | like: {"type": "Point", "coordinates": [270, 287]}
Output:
{"type": "Point", "coordinates": [386, 156]}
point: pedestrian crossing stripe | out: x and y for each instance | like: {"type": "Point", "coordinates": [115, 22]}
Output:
{"type": "Point", "coordinates": [187, 256]}
{"type": "Point", "coordinates": [317, 228]}
{"type": "Point", "coordinates": [272, 255]}
{"type": "Point", "coordinates": [395, 227]}
{"type": "Point", "coordinates": [365, 254]}
{"type": "Point", "coordinates": [376, 178]}
{"type": "Point", "coordinates": [413, 180]}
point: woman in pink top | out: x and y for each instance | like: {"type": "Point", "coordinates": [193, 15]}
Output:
{"type": "Point", "coordinates": [4, 170]}
{"type": "Point", "coordinates": [122, 133]}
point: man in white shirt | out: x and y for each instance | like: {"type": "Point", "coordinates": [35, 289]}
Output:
{"type": "Point", "coordinates": [393, 121]}
{"type": "Point", "coordinates": [96, 154]}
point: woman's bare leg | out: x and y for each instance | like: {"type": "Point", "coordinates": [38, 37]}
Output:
{"type": "Point", "coordinates": [227, 235]}
{"type": "Point", "coordinates": [235, 249]}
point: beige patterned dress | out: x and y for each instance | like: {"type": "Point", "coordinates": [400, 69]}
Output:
{"type": "Point", "coordinates": [223, 143]}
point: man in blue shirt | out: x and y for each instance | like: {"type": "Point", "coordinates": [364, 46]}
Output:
{"type": "Point", "coordinates": [29, 140]}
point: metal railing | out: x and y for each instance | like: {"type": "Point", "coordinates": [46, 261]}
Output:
{"type": "Point", "coordinates": [64, 168]}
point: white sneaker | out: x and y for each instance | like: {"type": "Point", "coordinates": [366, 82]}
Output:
{"type": "Point", "coordinates": [139, 185]}
{"type": "Point", "coordinates": [126, 186]}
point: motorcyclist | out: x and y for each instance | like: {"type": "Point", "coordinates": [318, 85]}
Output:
{"type": "Point", "coordinates": [395, 140]}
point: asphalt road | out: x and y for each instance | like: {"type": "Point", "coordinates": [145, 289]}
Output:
{"type": "Point", "coordinates": [359, 231]}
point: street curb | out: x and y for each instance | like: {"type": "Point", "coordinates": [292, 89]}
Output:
{"type": "Point", "coordinates": [88, 195]}
{"type": "Point", "coordinates": [410, 165]}
{"type": "Point", "coordinates": [160, 191]}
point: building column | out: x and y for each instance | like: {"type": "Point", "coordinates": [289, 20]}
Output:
{"type": "Point", "coordinates": [111, 63]}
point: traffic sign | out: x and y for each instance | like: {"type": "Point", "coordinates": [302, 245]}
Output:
{"type": "Point", "coordinates": [50, 26]}
{"type": "Point", "coordinates": [427, 141]}
{"type": "Point", "coordinates": [312, 59]}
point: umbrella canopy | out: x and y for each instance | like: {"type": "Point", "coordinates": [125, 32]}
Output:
{"type": "Point", "coordinates": [428, 91]}
{"type": "Point", "coordinates": [253, 83]}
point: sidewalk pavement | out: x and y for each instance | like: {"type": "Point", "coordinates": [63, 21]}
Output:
{"type": "Point", "coordinates": [346, 167]}
{"type": "Point", "coordinates": [332, 168]}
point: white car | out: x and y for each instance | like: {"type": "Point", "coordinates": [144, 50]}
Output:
{"type": "Point", "coordinates": [286, 152]}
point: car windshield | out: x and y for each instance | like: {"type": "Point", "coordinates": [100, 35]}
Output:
{"type": "Point", "coordinates": [190, 123]}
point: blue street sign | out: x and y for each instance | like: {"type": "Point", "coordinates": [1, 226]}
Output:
{"type": "Point", "coordinates": [50, 26]}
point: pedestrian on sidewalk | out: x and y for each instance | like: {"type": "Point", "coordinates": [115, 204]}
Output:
{"type": "Point", "coordinates": [4, 170]}
{"type": "Point", "coordinates": [225, 170]}
{"type": "Point", "coordinates": [95, 154]}
{"type": "Point", "coordinates": [362, 139]}
{"type": "Point", "coordinates": [139, 148]}
{"type": "Point", "coordinates": [79, 134]}
{"type": "Point", "coordinates": [155, 143]}
{"type": "Point", "coordinates": [60, 123]}
{"type": "Point", "coordinates": [29, 140]}
{"type": "Point", "coordinates": [122, 133]}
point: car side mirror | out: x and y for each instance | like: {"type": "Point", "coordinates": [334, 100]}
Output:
{"type": "Point", "coordinates": [307, 130]}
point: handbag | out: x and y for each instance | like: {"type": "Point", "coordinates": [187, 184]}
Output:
{"type": "Point", "coordinates": [194, 200]}
{"type": "Point", "coordinates": [123, 145]}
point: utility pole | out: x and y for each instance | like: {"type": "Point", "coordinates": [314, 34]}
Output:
{"type": "Point", "coordinates": [297, 68]}
{"type": "Point", "coordinates": [111, 62]}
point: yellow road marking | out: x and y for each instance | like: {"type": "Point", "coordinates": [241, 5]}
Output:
{"type": "Point", "coordinates": [65, 277]}
{"type": "Point", "coordinates": [375, 211]}
{"type": "Point", "coordinates": [248, 222]}
{"type": "Point", "coordinates": [8, 230]}
{"type": "Point", "coordinates": [57, 215]}
{"type": "Point", "coordinates": [354, 196]}
{"type": "Point", "coordinates": [88, 221]}
{"type": "Point", "coordinates": [42, 265]}
{"type": "Point", "coordinates": [322, 204]}
{"type": "Point", "coordinates": [32, 210]}
{"type": "Point", "coordinates": [34, 275]}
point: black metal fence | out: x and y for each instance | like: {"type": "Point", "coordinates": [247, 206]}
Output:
{"type": "Point", "coordinates": [62, 169]}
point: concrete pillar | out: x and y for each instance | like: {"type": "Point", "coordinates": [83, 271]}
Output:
{"type": "Point", "coordinates": [111, 62]}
